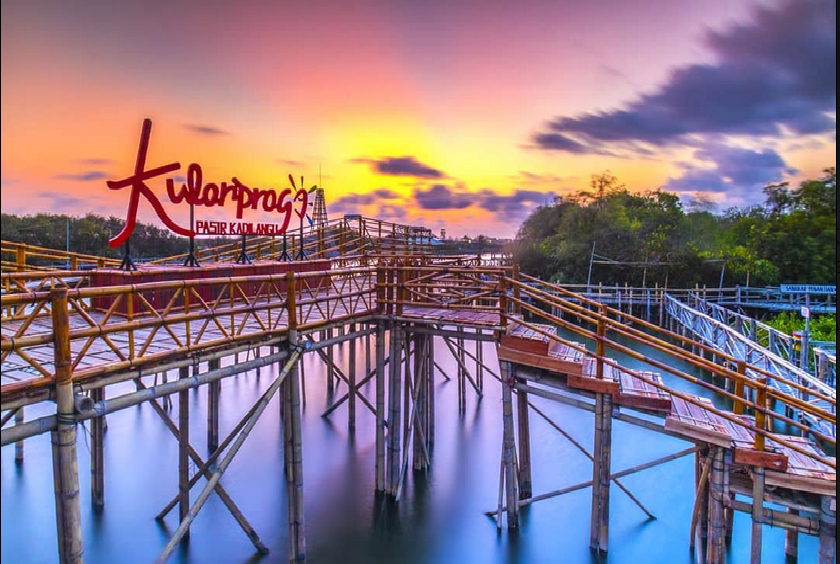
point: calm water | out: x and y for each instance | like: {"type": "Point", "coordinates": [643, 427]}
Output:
{"type": "Point", "coordinates": [439, 520]}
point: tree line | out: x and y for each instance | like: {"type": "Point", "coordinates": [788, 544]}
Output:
{"type": "Point", "coordinates": [648, 238]}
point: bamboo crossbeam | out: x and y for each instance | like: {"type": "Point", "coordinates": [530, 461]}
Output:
{"type": "Point", "coordinates": [262, 403]}
{"type": "Point", "coordinates": [588, 483]}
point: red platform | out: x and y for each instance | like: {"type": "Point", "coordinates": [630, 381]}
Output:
{"type": "Point", "coordinates": [159, 299]}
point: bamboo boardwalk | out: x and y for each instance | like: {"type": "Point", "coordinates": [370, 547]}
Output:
{"type": "Point", "coordinates": [67, 341]}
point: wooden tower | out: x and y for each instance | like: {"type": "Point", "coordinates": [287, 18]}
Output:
{"type": "Point", "coordinates": [319, 214]}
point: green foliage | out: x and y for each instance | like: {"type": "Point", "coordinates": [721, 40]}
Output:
{"type": "Point", "coordinates": [822, 327]}
{"type": "Point", "coordinates": [790, 239]}
{"type": "Point", "coordinates": [89, 235]}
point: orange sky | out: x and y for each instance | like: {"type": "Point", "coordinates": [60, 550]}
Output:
{"type": "Point", "coordinates": [258, 91]}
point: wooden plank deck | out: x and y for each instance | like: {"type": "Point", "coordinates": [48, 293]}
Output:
{"type": "Point", "coordinates": [696, 423]}
{"type": "Point", "coordinates": [743, 448]}
{"type": "Point", "coordinates": [452, 316]}
{"type": "Point", "coordinates": [803, 473]}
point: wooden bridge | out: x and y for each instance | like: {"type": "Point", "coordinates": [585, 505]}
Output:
{"type": "Point", "coordinates": [69, 342]}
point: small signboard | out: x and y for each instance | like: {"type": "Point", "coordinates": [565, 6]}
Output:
{"type": "Point", "coordinates": [806, 312]}
{"type": "Point", "coordinates": [809, 289]}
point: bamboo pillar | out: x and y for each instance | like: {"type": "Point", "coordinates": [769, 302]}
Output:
{"type": "Point", "coordinates": [184, 449]}
{"type": "Point", "coordinates": [757, 514]}
{"type": "Point", "coordinates": [65, 463]}
{"type": "Point", "coordinates": [293, 456]}
{"type": "Point", "coordinates": [525, 489]}
{"type": "Point", "coordinates": [214, 393]}
{"type": "Point", "coordinates": [828, 530]}
{"type": "Point", "coordinates": [351, 378]}
{"type": "Point", "coordinates": [420, 445]}
{"type": "Point", "coordinates": [380, 406]}
{"type": "Point", "coordinates": [331, 379]}
{"type": "Point", "coordinates": [97, 453]}
{"type": "Point", "coordinates": [394, 400]}
{"type": "Point", "coordinates": [292, 449]}
{"type": "Point", "coordinates": [19, 444]}
{"type": "Point", "coordinates": [509, 448]}
{"type": "Point", "coordinates": [792, 539]}
{"type": "Point", "coordinates": [430, 375]}
{"type": "Point", "coordinates": [717, 523]}
{"type": "Point", "coordinates": [479, 361]}
{"type": "Point", "coordinates": [602, 455]}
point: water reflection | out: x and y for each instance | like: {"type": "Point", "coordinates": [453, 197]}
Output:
{"type": "Point", "coordinates": [439, 520]}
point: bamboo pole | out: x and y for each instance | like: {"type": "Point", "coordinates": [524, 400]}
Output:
{"type": "Point", "coordinates": [523, 428]}
{"type": "Point", "coordinates": [509, 446]}
{"type": "Point", "coordinates": [18, 414]}
{"type": "Point", "coordinates": [293, 452]}
{"type": "Point", "coordinates": [214, 394]}
{"type": "Point", "coordinates": [700, 498]}
{"type": "Point", "coordinates": [828, 530]}
{"type": "Point", "coordinates": [602, 453]}
{"type": "Point", "coordinates": [716, 538]}
{"type": "Point", "coordinates": [351, 384]}
{"type": "Point", "coordinates": [97, 453]}
{"type": "Point", "coordinates": [65, 463]}
{"type": "Point", "coordinates": [757, 514]}
{"type": "Point", "coordinates": [183, 452]}
{"type": "Point", "coordinates": [792, 538]}
{"type": "Point", "coordinates": [394, 417]}
{"type": "Point", "coordinates": [380, 405]}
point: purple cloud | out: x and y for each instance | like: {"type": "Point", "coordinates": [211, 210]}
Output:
{"type": "Point", "coordinates": [775, 73]}
{"type": "Point", "coordinates": [441, 197]}
{"type": "Point", "coordinates": [85, 176]}
{"type": "Point", "coordinates": [204, 129]}
{"type": "Point", "coordinates": [401, 166]}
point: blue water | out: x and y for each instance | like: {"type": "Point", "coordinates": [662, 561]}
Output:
{"type": "Point", "coordinates": [439, 520]}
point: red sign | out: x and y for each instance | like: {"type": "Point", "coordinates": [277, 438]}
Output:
{"type": "Point", "coordinates": [209, 195]}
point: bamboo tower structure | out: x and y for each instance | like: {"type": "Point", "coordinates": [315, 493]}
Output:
{"type": "Point", "coordinates": [319, 214]}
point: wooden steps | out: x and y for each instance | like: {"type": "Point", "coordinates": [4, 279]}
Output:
{"type": "Point", "coordinates": [803, 473]}
{"type": "Point", "coordinates": [743, 448]}
{"type": "Point", "coordinates": [694, 422]}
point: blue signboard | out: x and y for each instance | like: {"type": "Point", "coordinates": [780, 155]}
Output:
{"type": "Point", "coordinates": [809, 289]}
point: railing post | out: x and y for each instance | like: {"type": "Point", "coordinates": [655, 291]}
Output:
{"type": "Point", "coordinates": [503, 303]}
{"type": "Point", "coordinates": [65, 463]}
{"type": "Point", "coordinates": [400, 293]}
{"type": "Point", "coordinates": [291, 301]}
{"type": "Point", "coordinates": [760, 415]}
{"type": "Point", "coordinates": [517, 293]}
{"type": "Point", "coordinates": [738, 407]}
{"type": "Point", "coordinates": [20, 254]}
{"type": "Point", "coordinates": [599, 344]}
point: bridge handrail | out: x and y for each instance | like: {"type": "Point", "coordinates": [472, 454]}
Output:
{"type": "Point", "coordinates": [779, 365]}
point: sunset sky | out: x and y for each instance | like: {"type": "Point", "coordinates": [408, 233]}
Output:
{"type": "Point", "coordinates": [463, 115]}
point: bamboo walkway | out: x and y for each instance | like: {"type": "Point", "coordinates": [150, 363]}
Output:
{"type": "Point", "coordinates": [66, 341]}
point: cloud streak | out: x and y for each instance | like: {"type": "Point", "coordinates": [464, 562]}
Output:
{"type": "Point", "coordinates": [85, 176]}
{"type": "Point", "coordinates": [401, 166]}
{"type": "Point", "coordinates": [207, 130]}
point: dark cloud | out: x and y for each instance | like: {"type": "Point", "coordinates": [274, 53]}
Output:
{"type": "Point", "coordinates": [62, 200]}
{"type": "Point", "coordinates": [392, 212]}
{"type": "Point", "coordinates": [350, 203]}
{"type": "Point", "coordinates": [85, 176]}
{"type": "Point", "coordinates": [518, 201]}
{"type": "Point", "coordinates": [774, 73]}
{"type": "Point", "coordinates": [386, 194]}
{"type": "Point", "coordinates": [745, 166]}
{"type": "Point", "coordinates": [401, 166]}
{"type": "Point", "coordinates": [204, 129]}
{"type": "Point", "coordinates": [736, 170]}
{"type": "Point", "coordinates": [95, 161]}
{"type": "Point", "coordinates": [441, 197]}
